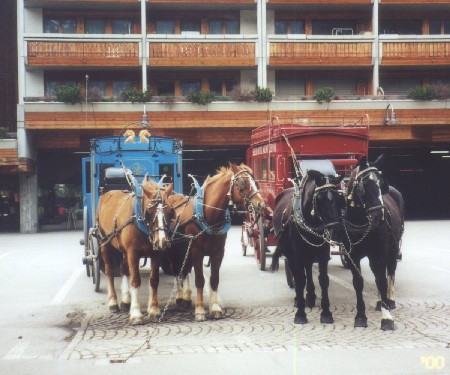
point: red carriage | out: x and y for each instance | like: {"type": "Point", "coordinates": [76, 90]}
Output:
{"type": "Point", "coordinates": [342, 141]}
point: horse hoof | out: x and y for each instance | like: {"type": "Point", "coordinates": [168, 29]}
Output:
{"type": "Point", "coordinates": [200, 317]}
{"type": "Point", "coordinates": [391, 304]}
{"type": "Point", "coordinates": [186, 304]}
{"type": "Point", "coordinates": [137, 320]}
{"type": "Point", "coordinates": [387, 324]}
{"type": "Point", "coordinates": [154, 317]}
{"type": "Point", "coordinates": [361, 321]}
{"type": "Point", "coordinates": [125, 307]}
{"type": "Point", "coordinates": [179, 301]}
{"type": "Point", "coordinates": [216, 314]}
{"type": "Point", "coordinates": [114, 308]}
{"type": "Point", "coordinates": [300, 319]}
{"type": "Point", "coordinates": [326, 318]}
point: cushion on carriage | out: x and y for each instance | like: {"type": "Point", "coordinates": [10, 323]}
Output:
{"type": "Point", "coordinates": [115, 179]}
{"type": "Point", "coordinates": [324, 166]}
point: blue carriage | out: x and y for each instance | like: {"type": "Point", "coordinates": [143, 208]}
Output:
{"type": "Point", "coordinates": [108, 168]}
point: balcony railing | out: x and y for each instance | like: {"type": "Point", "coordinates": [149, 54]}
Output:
{"type": "Point", "coordinates": [202, 54]}
{"type": "Point", "coordinates": [415, 53]}
{"type": "Point", "coordinates": [324, 2]}
{"type": "Point", "coordinates": [46, 53]}
{"type": "Point", "coordinates": [320, 53]}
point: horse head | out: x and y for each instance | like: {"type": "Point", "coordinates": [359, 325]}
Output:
{"type": "Point", "coordinates": [366, 188]}
{"type": "Point", "coordinates": [157, 214]}
{"type": "Point", "coordinates": [243, 190]}
{"type": "Point", "coordinates": [327, 202]}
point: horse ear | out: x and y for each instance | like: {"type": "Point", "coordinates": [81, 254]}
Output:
{"type": "Point", "coordinates": [232, 166]}
{"type": "Point", "coordinates": [363, 162]}
{"type": "Point", "coordinates": [317, 176]}
{"type": "Point", "coordinates": [384, 185]}
{"type": "Point", "coordinates": [337, 179]}
{"type": "Point", "coordinates": [379, 162]}
{"type": "Point", "coordinates": [169, 188]}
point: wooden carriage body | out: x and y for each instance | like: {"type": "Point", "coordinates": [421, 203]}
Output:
{"type": "Point", "coordinates": [274, 146]}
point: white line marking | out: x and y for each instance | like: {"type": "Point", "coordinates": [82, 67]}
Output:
{"type": "Point", "coordinates": [66, 287]}
{"type": "Point", "coordinates": [5, 255]}
{"type": "Point", "coordinates": [17, 351]}
{"type": "Point", "coordinates": [343, 283]}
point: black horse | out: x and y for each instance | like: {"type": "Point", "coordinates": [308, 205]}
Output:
{"type": "Point", "coordinates": [374, 227]}
{"type": "Point", "coordinates": [305, 220]}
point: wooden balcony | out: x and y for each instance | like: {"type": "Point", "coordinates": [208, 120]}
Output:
{"type": "Point", "coordinates": [320, 54]}
{"type": "Point", "coordinates": [427, 2]}
{"type": "Point", "coordinates": [201, 2]}
{"type": "Point", "coordinates": [83, 53]}
{"type": "Point", "coordinates": [202, 54]}
{"type": "Point", "coordinates": [415, 53]}
{"type": "Point", "coordinates": [29, 3]}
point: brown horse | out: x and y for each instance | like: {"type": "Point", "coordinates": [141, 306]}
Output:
{"type": "Point", "coordinates": [135, 225]}
{"type": "Point", "coordinates": [202, 223]}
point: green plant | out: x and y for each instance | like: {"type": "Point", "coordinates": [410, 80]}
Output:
{"type": "Point", "coordinates": [133, 95]}
{"type": "Point", "coordinates": [201, 97]}
{"type": "Point", "coordinates": [421, 93]}
{"type": "Point", "coordinates": [263, 94]}
{"type": "Point", "coordinates": [4, 133]}
{"type": "Point", "coordinates": [69, 94]}
{"type": "Point", "coordinates": [324, 95]}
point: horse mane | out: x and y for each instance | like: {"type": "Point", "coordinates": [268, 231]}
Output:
{"type": "Point", "coordinates": [224, 170]}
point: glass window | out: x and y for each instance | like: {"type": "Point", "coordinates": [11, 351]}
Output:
{"type": "Point", "coordinates": [232, 27]}
{"type": "Point", "coordinates": [190, 26]}
{"type": "Point", "coordinates": [286, 88]}
{"type": "Point", "coordinates": [401, 27]}
{"type": "Point", "coordinates": [263, 169]}
{"type": "Point", "coordinates": [165, 88]}
{"type": "Point", "coordinates": [271, 168]}
{"type": "Point", "coordinates": [334, 27]}
{"type": "Point", "coordinates": [215, 27]}
{"type": "Point", "coordinates": [120, 86]}
{"type": "Point", "coordinates": [51, 86]}
{"type": "Point", "coordinates": [95, 26]}
{"type": "Point", "coordinates": [121, 26]}
{"type": "Point", "coordinates": [60, 26]}
{"type": "Point", "coordinates": [297, 27]}
{"type": "Point", "coordinates": [165, 27]}
{"type": "Point", "coordinates": [435, 27]}
{"type": "Point", "coordinates": [188, 86]}
{"type": "Point", "coordinates": [446, 27]}
{"type": "Point", "coordinates": [229, 86]}
{"type": "Point", "coordinates": [96, 90]}
{"type": "Point", "coordinates": [281, 27]}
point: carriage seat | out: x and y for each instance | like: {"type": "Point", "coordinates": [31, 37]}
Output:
{"type": "Point", "coordinates": [115, 179]}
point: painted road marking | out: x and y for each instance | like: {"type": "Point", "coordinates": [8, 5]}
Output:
{"type": "Point", "coordinates": [66, 287]}
{"type": "Point", "coordinates": [6, 254]}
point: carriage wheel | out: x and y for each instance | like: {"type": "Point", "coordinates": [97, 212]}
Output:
{"type": "Point", "coordinates": [289, 275]}
{"type": "Point", "coordinates": [344, 260]}
{"type": "Point", "coordinates": [260, 245]}
{"type": "Point", "coordinates": [244, 240]}
{"type": "Point", "coordinates": [94, 250]}
{"type": "Point", "coordinates": [86, 239]}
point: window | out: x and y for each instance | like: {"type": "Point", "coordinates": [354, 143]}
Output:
{"type": "Point", "coordinates": [399, 86]}
{"type": "Point", "coordinates": [215, 27]}
{"type": "Point", "coordinates": [60, 26]}
{"type": "Point", "coordinates": [165, 88]}
{"type": "Point", "coordinates": [188, 86]}
{"type": "Point", "coordinates": [190, 27]}
{"type": "Point", "coordinates": [283, 27]}
{"type": "Point", "coordinates": [401, 27]}
{"type": "Point", "coordinates": [271, 168]}
{"type": "Point", "coordinates": [264, 169]}
{"type": "Point", "coordinates": [121, 86]}
{"type": "Point", "coordinates": [121, 26]}
{"type": "Point", "coordinates": [341, 86]}
{"type": "Point", "coordinates": [223, 27]}
{"type": "Point", "coordinates": [50, 86]}
{"type": "Point", "coordinates": [165, 27]}
{"type": "Point", "coordinates": [96, 90]}
{"type": "Point", "coordinates": [232, 27]}
{"type": "Point", "coordinates": [221, 87]}
{"type": "Point", "coordinates": [438, 27]}
{"type": "Point", "coordinates": [95, 27]}
{"type": "Point", "coordinates": [290, 87]}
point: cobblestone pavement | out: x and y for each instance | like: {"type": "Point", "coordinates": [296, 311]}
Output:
{"type": "Point", "coordinates": [419, 324]}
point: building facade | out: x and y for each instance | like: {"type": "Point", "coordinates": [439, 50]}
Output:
{"type": "Point", "coordinates": [371, 52]}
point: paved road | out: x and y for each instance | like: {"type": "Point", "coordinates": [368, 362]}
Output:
{"type": "Point", "coordinates": [53, 322]}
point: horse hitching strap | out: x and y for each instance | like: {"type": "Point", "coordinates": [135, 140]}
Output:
{"type": "Point", "coordinates": [137, 199]}
{"type": "Point", "coordinates": [199, 217]}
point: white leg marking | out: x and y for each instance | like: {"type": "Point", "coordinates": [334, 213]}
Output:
{"type": "Point", "coordinates": [178, 285]}
{"type": "Point", "coordinates": [135, 309]}
{"type": "Point", "coordinates": [385, 314]}
{"type": "Point", "coordinates": [125, 288]}
{"type": "Point", "coordinates": [161, 233]}
{"type": "Point", "coordinates": [187, 290]}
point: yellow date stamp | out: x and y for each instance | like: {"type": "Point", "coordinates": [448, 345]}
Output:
{"type": "Point", "coordinates": [433, 362]}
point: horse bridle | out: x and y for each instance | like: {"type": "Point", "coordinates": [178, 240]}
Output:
{"type": "Point", "coordinates": [159, 204]}
{"type": "Point", "coordinates": [357, 182]}
{"type": "Point", "coordinates": [319, 189]}
{"type": "Point", "coordinates": [238, 183]}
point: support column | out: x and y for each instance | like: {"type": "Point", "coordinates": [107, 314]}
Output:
{"type": "Point", "coordinates": [375, 49]}
{"type": "Point", "coordinates": [262, 42]}
{"type": "Point", "coordinates": [145, 47]}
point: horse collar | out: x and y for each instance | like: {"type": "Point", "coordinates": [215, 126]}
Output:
{"type": "Point", "coordinates": [137, 201]}
{"type": "Point", "coordinates": [199, 217]}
